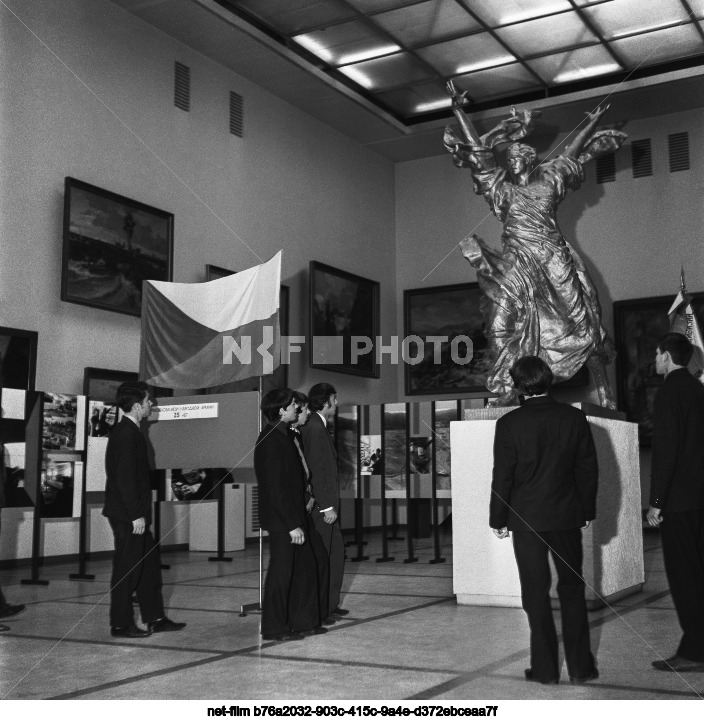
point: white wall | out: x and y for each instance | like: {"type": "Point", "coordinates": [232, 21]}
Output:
{"type": "Point", "coordinates": [86, 90]}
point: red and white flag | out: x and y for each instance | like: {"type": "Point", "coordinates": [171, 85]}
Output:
{"type": "Point", "coordinates": [200, 335]}
{"type": "Point", "coordinates": [683, 320]}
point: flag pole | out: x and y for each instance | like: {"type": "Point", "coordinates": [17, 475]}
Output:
{"type": "Point", "coordinates": [257, 607]}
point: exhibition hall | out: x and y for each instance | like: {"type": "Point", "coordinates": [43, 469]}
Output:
{"type": "Point", "coordinates": [351, 353]}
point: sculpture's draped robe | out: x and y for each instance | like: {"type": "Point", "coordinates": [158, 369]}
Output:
{"type": "Point", "coordinates": [537, 296]}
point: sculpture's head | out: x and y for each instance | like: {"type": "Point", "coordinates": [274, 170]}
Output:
{"type": "Point", "coordinates": [521, 158]}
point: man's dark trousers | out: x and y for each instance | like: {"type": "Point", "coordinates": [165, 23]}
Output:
{"type": "Point", "coordinates": [136, 569]}
{"type": "Point", "coordinates": [683, 549]}
{"type": "Point", "coordinates": [531, 550]}
{"type": "Point", "coordinates": [331, 536]}
{"type": "Point", "coordinates": [291, 587]}
{"type": "Point", "coordinates": [322, 563]}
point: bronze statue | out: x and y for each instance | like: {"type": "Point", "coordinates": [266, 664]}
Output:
{"type": "Point", "coordinates": [537, 297]}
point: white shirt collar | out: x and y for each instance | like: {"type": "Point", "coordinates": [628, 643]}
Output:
{"type": "Point", "coordinates": [325, 421]}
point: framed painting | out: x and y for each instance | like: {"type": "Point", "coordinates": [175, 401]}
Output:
{"type": "Point", "coordinates": [101, 384]}
{"type": "Point", "coordinates": [445, 311]}
{"type": "Point", "coordinates": [343, 307]}
{"type": "Point", "coordinates": [112, 244]}
{"type": "Point", "coordinates": [18, 358]}
{"type": "Point", "coordinates": [279, 378]}
{"type": "Point", "coordinates": [639, 324]}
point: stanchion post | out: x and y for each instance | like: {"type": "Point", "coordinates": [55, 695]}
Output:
{"type": "Point", "coordinates": [409, 536]}
{"type": "Point", "coordinates": [434, 491]}
{"type": "Point", "coordinates": [34, 412]}
{"type": "Point", "coordinates": [221, 525]}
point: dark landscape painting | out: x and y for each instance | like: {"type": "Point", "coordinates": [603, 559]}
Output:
{"type": "Point", "coordinates": [111, 246]}
{"type": "Point", "coordinates": [446, 311]}
{"type": "Point", "coordinates": [343, 306]}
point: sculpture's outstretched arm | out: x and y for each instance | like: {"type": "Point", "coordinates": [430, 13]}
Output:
{"type": "Point", "coordinates": [575, 148]}
{"type": "Point", "coordinates": [471, 137]}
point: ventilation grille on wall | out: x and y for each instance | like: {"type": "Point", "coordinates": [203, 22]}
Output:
{"type": "Point", "coordinates": [678, 148]}
{"type": "Point", "coordinates": [236, 114]}
{"type": "Point", "coordinates": [182, 86]}
{"type": "Point", "coordinates": [606, 168]}
{"type": "Point", "coordinates": [641, 158]}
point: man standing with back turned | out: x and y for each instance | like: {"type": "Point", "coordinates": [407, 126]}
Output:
{"type": "Point", "coordinates": [544, 491]}
{"type": "Point", "coordinates": [322, 462]}
{"type": "Point", "coordinates": [677, 495]}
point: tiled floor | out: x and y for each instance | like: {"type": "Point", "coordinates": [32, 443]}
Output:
{"type": "Point", "coordinates": [405, 638]}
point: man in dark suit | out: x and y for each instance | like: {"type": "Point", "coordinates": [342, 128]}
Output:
{"type": "Point", "coordinates": [316, 542]}
{"type": "Point", "coordinates": [544, 491]}
{"type": "Point", "coordinates": [322, 462]}
{"type": "Point", "coordinates": [290, 608]}
{"type": "Point", "coordinates": [136, 566]}
{"type": "Point", "coordinates": [677, 495]}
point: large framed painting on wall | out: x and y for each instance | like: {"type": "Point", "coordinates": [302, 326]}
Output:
{"type": "Point", "coordinates": [112, 244]}
{"type": "Point", "coordinates": [445, 311]}
{"type": "Point", "coordinates": [279, 378]}
{"type": "Point", "coordinates": [343, 307]}
{"type": "Point", "coordinates": [639, 324]}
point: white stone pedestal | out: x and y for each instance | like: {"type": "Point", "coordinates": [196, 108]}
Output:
{"type": "Point", "coordinates": [484, 567]}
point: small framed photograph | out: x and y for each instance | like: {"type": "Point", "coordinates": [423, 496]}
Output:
{"type": "Point", "coordinates": [279, 378]}
{"type": "Point", "coordinates": [639, 324]}
{"type": "Point", "coordinates": [112, 244]}
{"type": "Point", "coordinates": [343, 307]}
{"type": "Point", "coordinates": [446, 311]}
{"type": "Point", "coordinates": [18, 358]}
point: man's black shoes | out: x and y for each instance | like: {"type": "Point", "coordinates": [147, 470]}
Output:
{"type": "Point", "coordinates": [528, 673]}
{"type": "Point", "coordinates": [339, 612]}
{"type": "Point", "coordinates": [163, 625]}
{"type": "Point", "coordinates": [313, 631]}
{"type": "Point", "coordinates": [9, 610]}
{"type": "Point", "coordinates": [130, 631]}
{"type": "Point", "coordinates": [592, 676]}
{"type": "Point", "coordinates": [678, 664]}
{"type": "Point", "coordinates": [286, 636]}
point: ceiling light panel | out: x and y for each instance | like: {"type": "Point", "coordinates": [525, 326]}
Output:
{"type": "Point", "coordinates": [392, 71]}
{"type": "Point", "coordinates": [421, 98]}
{"type": "Point", "coordinates": [347, 43]}
{"type": "Point", "coordinates": [660, 46]}
{"type": "Point", "coordinates": [502, 12]}
{"type": "Point", "coordinates": [624, 17]}
{"type": "Point", "coordinates": [292, 17]}
{"type": "Point", "coordinates": [372, 6]}
{"type": "Point", "coordinates": [574, 65]}
{"type": "Point", "coordinates": [459, 56]}
{"type": "Point", "coordinates": [537, 37]}
{"type": "Point", "coordinates": [497, 82]}
{"type": "Point", "coordinates": [427, 22]}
